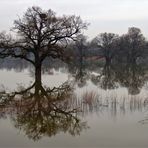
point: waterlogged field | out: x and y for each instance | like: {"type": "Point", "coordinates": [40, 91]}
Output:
{"type": "Point", "coordinates": [85, 113]}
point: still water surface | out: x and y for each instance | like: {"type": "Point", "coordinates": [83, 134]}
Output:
{"type": "Point", "coordinates": [109, 117]}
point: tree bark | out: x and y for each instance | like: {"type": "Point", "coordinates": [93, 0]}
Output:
{"type": "Point", "coordinates": [108, 61]}
{"type": "Point", "coordinates": [38, 73]}
{"type": "Point", "coordinates": [38, 77]}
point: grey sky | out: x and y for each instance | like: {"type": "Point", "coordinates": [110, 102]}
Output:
{"type": "Point", "coordinates": [103, 15]}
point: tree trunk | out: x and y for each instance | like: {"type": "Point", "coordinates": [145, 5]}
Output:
{"type": "Point", "coordinates": [38, 73]}
{"type": "Point", "coordinates": [38, 80]}
{"type": "Point", "coordinates": [108, 61]}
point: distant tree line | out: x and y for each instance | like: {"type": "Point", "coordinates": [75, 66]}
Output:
{"type": "Point", "coordinates": [127, 48]}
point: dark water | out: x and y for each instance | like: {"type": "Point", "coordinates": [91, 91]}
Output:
{"type": "Point", "coordinates": [105, 107]}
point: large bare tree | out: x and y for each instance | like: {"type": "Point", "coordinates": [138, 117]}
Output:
{"type": "Point", "coordinates": [40, 34]}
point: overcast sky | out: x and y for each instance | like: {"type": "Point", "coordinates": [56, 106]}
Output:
{"type": "Point", "coordinates": [103, 15]}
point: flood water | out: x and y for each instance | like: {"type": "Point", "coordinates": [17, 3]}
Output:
{"type": "Point", "coordinates": [103, 108]}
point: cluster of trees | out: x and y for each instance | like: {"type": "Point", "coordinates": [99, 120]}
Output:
{"type": "Point", "coordinates": [129, 47]}
{"type": "Point", "coordinates": [40, 34]}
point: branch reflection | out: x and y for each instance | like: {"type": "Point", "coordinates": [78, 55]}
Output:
{"type": "Point", "coordinates": [39, 111]}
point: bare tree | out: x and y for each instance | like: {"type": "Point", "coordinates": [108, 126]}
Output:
{"type": "Point", "coordinates": [132, 45]}
{"type": "Point", "coordinates": [40, 34]}
{"type": "Point", "coordinates": [107, 45]}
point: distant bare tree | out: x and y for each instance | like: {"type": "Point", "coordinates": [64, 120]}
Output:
{"type": "Point", "coordinates": [106, 43]}
{"type": "Point", "coordinates": [132, 45]}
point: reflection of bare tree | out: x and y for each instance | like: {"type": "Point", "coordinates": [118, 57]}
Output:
{"type": "Point", "coordinates": [107, 78]}
{"type": "Point", "coordinates": [132, 76]}
{"type": "Point", "coordinates": [79, 72]}
{"type": "Point", "coordinates": [42, 112]}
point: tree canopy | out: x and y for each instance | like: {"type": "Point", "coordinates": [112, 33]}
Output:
{"type": "Point", "coordinates": [40, 34]}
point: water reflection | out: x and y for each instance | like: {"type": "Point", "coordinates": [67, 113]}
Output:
{"type": "Point", "coordinates": [133, 77]}
{"type": "Point", "coordinates": [107, 78]}
{"type": "Point", "coordinates": [113, 75]}
{"type": "Point", "coordinates": [79, 72]}
{"type": "Point", "coordinates": [40, 111]}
